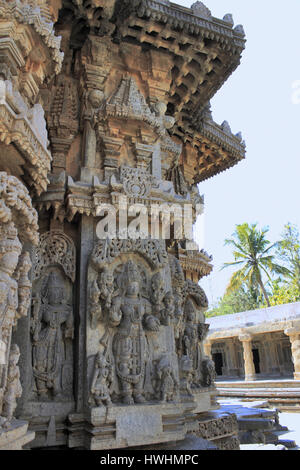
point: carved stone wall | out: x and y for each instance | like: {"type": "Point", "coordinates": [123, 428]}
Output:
{"type": "Point", "coordinates": [105, 102]}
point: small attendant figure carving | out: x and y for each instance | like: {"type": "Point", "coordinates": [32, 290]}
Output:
{"type": "Point", "coordinates": [186, 367]}
{"type": "Point", "coordinates": [101, 379]}
{"type": "Point", "coordinates": [24, 285]}
{"type": "Point", "coordinates": [158, 293]}
{"type": "Point", "coordinates": [208, 372]}
{"type": "Point", "coordinates": [107, 287]}
{"type": "Point", "coordinates": [101, 295]}
{"type": "Point", "coordinates": [95, 306]}
{"type": "Point", "coordinates": [168, 312]}
{"type": "Point", "coordinates": [13, 386]}
{"type": "Point", "coordinates": [168, 384]}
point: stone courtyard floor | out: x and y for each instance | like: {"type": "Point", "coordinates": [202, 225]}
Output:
{"type": "Point", "coordinates": [290, 420]}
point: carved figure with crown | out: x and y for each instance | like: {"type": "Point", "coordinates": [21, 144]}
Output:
{"type": "Point", "coordinates": [10, 251]}
{"type": "Point", "coordinates": [131, 314]}
{"type": "Point", "coordinates": [13, 387]}
{"type": "Point", "coordinates": [52, 326]}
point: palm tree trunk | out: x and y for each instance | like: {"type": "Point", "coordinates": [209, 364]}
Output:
{"type": "Point", "coordinates": [264, 292]}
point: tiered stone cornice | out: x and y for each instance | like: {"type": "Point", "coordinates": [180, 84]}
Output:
{"type": "Point", "coordinates": [199, 53]}
{"type": "Point", "coordinates": [29, 13]}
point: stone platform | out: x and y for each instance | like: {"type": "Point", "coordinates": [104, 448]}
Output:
{"type": "Point", "coordinates": [256, 424]}
{"type": "Point", "coordinates": [282, 394]}
{"type": "Point", "coordinates": [16, 436]}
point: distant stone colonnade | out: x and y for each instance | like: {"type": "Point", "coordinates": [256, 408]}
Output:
{"type": "Point", "coordinates": [258, 344]}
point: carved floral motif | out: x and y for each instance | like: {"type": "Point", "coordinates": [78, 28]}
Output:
{"type": "Point", "coordinates": [55, 247]}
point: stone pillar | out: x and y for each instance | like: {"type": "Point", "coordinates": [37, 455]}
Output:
{"type": "Point", "coordinates": [294, 335]}
{"type": "Point", "coordinates": [18, 226]}
{"type": "Point", "coordinates": [232, 364]}
{"type": "Point", "coordinates": [275, 370]}
{"type": "Point", "coordinates": [246, 341]}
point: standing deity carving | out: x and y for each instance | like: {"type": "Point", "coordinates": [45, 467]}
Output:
{"type": "Point", "coordinates": [131, 315]}
{"type": "Point", "coordinates": [10, 250]}
{"type": "Point", "coordinates": [52, 318]}
{"type": "Point", "coordinates": [13, 387]}
{"type": "Point", "coordinates": [52, 326]}
{"type": "Point", "coordinates": [195, 370]}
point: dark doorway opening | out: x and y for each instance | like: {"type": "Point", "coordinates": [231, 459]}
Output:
{"type": "Point", "coordinates": [218, 360]}
{"type": "Point", "coordinates": [256, 360]}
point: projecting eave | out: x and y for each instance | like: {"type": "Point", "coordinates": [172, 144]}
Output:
{"type": "Point", "coordinates": [230, 150]}
{"type": "Point", "coordinates": [204, 50]}
{"type": "Point", "coordinates": [210, 149]}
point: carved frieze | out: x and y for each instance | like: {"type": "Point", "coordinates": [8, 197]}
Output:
{"type": "Point", "coordinates": [136, 182]}
{"type": "Point", "coordinates": [107, 251]}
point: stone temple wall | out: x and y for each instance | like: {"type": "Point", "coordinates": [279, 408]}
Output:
{"type": "Point", "coordinates": [106, 132]}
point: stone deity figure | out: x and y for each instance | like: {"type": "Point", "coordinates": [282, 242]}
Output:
{"type": "Point", "coordinates": [101, 378]}
{"type": "Point", "coordinates": [191, 340]}
{"type": "Point", "coordinates": [13, 386]}
{"type": "Point", "coordinates": [168, 312]}
{"type": "Point", "coordinates": [101, 295]}
{"type": "Point", "coordinates": [168, 384]}
{"type": "Point", "coordinates": [24, 285]}
{"type": "Point", "coordinates": [10, 251]}
{"type": "Point", "coordinates": [52, 325]}
{"type": "Point", "coordinates": [129, 314]}
{"type": "Point", "coordinates": [158, 293]}
{"type": "Point", "coordinates": [208, 372]}
{"type": "Point", "coordinates": [107, 288]}
{"type": "Point", "coordinates": [186, 368]}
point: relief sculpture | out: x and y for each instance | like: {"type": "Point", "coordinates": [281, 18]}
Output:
{"type": "Point", "coordinates": [52, 327]}
{"type": "Point", "coordinates": [129, 314]}
{"type": "Point", "coordinates": [52, 319]}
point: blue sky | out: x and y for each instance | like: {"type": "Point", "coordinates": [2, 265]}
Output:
{"type": "Point", "coordinates": [259, 100]}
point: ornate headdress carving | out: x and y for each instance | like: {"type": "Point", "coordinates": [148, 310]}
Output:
{"type": "Point", "coordinates": [9, 241]}
{"type": "Point", "coordinates": [130, 274]}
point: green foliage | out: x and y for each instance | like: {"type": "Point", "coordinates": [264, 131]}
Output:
{"type": "Point", "coordinates": [288, 251]}
{"type": "Point", "coordinates": [253, 286]}
{"type": "Point", "coordinates": [284, 293]}
{"type": "Point", "coordinates": [253, 253]}
{"type": "Point", "coordinates": [241, 300]}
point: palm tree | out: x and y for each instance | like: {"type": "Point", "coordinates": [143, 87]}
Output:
{"type": "Point", "coordinates": [252, 251]}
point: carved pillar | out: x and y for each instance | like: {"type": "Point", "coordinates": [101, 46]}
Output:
{"type": "Point", "coordinates": [294, 335]}
{"type": "Point", "coordinates": [18, 226]}
{"type": "Point", "coordinates": [246, 341]}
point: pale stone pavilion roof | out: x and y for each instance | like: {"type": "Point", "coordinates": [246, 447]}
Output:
{"type": "Point", "coordinates": [255, 321]}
